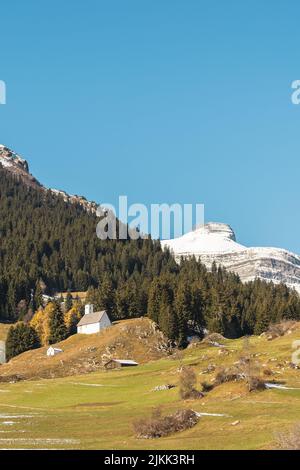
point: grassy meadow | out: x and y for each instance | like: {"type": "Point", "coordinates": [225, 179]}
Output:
{"type": "Point", "coordinates": [97, 410]}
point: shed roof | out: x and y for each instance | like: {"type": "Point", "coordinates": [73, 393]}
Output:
{"type": "Point", "coordinates": [89, 318]}
{"type": "Point", "coordinates": [128, 362]}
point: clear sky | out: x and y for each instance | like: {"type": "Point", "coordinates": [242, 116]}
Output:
{"type": "Point", "coordinates": [183, 101]}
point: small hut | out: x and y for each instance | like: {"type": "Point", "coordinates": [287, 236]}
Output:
{"type": "Point", "coordinates": [118, 363]}
{"type": "Point", "coordinates": [53, 351]}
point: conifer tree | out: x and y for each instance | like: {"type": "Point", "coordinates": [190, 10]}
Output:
{"type": "Point", "coordinates": [106, 296]}
{"type": "Point", "coordinates": [168, 322]}
{"type": "Point", "coordinates": [154, 300]}
{"type": "Point", "coordinates": [38, 296]}
{"type": "Point", "coordinates": [20, 338]}
{"type": "Point", "coordinates": [57, 327]}
{"type": "Point", "coordinates": [68, 302]}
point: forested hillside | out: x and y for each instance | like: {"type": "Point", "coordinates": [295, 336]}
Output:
{"type": "Point", "coordinates": [49, 245]}
{"type": "Point", "coordinates": [46, 241]}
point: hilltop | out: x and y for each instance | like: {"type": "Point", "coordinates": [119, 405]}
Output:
{"type": "Point", "coordinates": [137, 339]}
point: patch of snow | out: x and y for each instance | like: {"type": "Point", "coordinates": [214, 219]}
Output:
{"type": "Point", "coordinates": [7, 416]}
{"type": "Point", "coordinates": [212, 414]}
{"type": "Point", "coordinates": [41, 440]}
{"type": "Point", "coordinates": [5, 162]}
{"type": "Point", "coordinates": [86, 385]}
{"type": "Point", "coordinates": [6, 431]}
{"type": "Point", "coordinates": [280, 387]}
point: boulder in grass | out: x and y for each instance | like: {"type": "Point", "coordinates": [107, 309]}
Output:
{"type": "Point", "coordinates": [159, 388]}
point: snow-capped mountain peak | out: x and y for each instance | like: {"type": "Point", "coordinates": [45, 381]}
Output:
{"type": "Point", "coordinates": [217, 242]}
{"type": "Point", "coordinates": [212, 237]}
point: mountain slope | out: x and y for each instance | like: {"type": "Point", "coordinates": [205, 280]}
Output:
{"type": "Point", "coordinates": [19, 168]}
{"type": "Point", "coordinates": [216, 242]}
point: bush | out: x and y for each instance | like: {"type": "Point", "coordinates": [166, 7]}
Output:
{"type": "Point", "coordinates": [268, 372]}
{"type": "Point", "coordinates": [159, 426]}
{"type": "Point", "coordinates": [187, 384]}
{"type": "Point", "coordinates": [233, 374]}
{"type": "Point", "coordinates": [256, 384]}
{"type": "Point", "coordinates": [230, 374]}
{"type": "Point", "coordinates": [289, 440]}
{"type": "Point", "coordinates": [206, 387]}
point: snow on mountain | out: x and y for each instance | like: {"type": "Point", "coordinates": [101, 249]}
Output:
{"type": "Point", "coordinates": [17, 166]}
{"type": "Point", "coordinates": [8, 158]}
{"type": "Point", "coordinates": [208, 238]}
{"type": "Point", "coordinates": [216, 242]}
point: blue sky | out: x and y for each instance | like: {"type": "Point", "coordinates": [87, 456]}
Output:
{"type": "Point", "coordinates": [162, 100]}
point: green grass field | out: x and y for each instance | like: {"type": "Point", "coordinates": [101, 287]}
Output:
{"type": "Point", "coordinates": [96, 411]}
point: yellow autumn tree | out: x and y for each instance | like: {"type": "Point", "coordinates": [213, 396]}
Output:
{"type": "Point", "coordinates": [40, 322]}
{"type": "Point", "coordinates": [37, 323]}
{"type": "Point", "coordinates": [72, 317]}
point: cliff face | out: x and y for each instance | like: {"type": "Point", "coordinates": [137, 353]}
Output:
{"type": "Point", "coordinates": [217, 242]}
{"type": "Point", "coordinates": [19, 168]}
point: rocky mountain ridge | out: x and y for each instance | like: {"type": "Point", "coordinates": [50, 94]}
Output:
{"type": "Point", "coordinates": [19, 168]}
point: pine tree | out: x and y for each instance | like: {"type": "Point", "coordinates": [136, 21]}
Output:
{"type": "Point", "coordinates": [183, 308]}
{"type": "Point", "coordinates": [20, 338]}
{"type": "Point", "coordinates": [106, 296]}
{"type": "Point", "coordinates": [154, 300]}
{"type": "Point", "coordinates": [168, 322]}
{"type": "Point", "coordinates": [68, 302]}
{"type": "Point", "coordinates": [57, 327]}
{"type": "Point", "coordinates": [38, 295]}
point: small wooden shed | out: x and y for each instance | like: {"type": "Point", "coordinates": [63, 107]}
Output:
{"type": "Point", "coordinates": [53, 351]}
{"type": "Point", "coordinates": [118, 363]}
